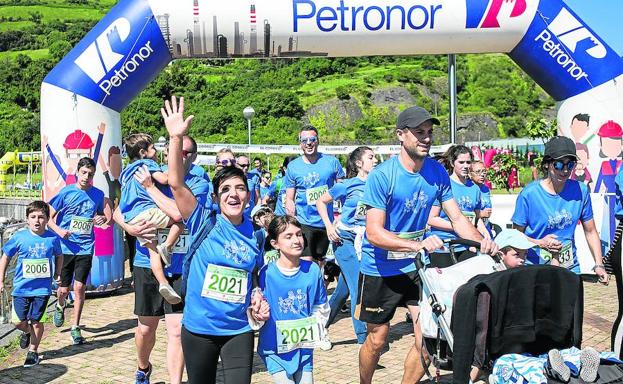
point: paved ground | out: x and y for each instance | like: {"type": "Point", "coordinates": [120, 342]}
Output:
{"type": "Point", "coordinates": [109, 357]}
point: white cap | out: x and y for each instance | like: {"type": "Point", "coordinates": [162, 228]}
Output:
{"type": "Point", "coordinates": [513, 238]}
{"type": "Point", "coordinates": [258, 208]}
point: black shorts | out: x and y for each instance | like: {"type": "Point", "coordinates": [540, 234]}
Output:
{"type": "Point", "coordinates": [75, 267]}
{"type": "Point", "coordinates": [316, 242]}
{"type": "Point", "coordinates": [147, 300]}
{"type": "Point", "coordinates": [380, 296]}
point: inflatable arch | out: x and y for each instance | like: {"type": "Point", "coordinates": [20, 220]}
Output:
{"type": "Point", "coordinates": [81, 98]}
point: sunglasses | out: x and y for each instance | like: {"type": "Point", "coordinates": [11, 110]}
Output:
{"type": "Point", "coordinates": [559, 165]}
{"type": "Point", "coordinates": [243, 165]}
{"type": "Point", "coordinates": [309, 139]}
{"type": "Point", "coordinates": [480, 172]}
{"type": "Point", "coordinates": [226, 162]}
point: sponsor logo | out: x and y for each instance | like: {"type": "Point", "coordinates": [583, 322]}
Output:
{"type": "Point", "coordinates": [346, 16]}
{"type": "Point", "coordinates": [100, 58]}
{"type": "Point", "coordinates": [562, 38]}
{"type": "Point", "coordinates": [486, 13]}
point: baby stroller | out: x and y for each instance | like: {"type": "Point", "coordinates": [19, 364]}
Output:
{"type": "Point", "coordinates": [481, 315]}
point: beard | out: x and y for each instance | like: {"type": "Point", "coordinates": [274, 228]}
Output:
{"type": "Point", "coordinates": [413, 153]}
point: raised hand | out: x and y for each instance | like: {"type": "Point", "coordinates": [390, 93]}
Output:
{"type": "Point", "coordinates": [101, 128]}
{"type": "Point", "coordinates": [173, 115]}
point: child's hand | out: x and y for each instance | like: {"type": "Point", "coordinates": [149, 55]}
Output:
{"type": "Point", "coordinates": [99, 220]}
{"type": "Point", "coordinates": [64, 233]}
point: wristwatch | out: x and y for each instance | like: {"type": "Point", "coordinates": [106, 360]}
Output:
{"type": "Point", "coordinates": [598, 266]}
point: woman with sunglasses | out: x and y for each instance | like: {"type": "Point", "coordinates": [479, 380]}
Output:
{"type": "Point", "coordinates": [215, 322]}
{"type": "Point", "coordinates": [548, 210]}
{"type": "Point", "coordinates": [457, 161]}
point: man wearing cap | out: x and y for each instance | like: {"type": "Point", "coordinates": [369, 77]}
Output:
{"type": "Point", "coordinates": [548, 210]}
{"type": "Point", "coordinates": [307, 178]}
{"type": "Point", "coordinates": [399, 195]}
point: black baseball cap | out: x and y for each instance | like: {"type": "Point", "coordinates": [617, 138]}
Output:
{"type": "Point", "coordinates": [559, 147]}
{"type": "Point", "coordinates": [413, 117]}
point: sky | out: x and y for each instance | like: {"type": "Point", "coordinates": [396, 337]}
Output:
{"type": "Point", "coordinates": [604, 17]}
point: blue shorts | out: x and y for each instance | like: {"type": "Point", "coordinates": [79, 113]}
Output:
{"type": "Point", "coordinates": [30, 308]}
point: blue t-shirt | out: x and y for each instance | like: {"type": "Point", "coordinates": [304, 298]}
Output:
{"type": "Point", "coordinates": [134, 199]}
{"type": "Point", "coordinates": [254, 186]}
{"type": "Point", "coordinates": [219, 281]}
{"type": "Point", "coordinates": [198, 171]}
{"type": "Point", "coordinates": [542, 213]}
{"type": "Point", "coordinates": [263, 191]}
{"type": "Point", "coordinates": [407, 199]}
{"type": "Point", "coordinates": [485, 202]}
{"type": "Point", "coordinates": [310, 181]}
{"type": "Point", "coordinates": [350, 192]}
{"type": "Point", "coordinates": [75, 212]}
{"type": "Point", "coordinates": [199, 187]}
{"type": "Point", "coordinates": [290, 298]}
{"type": "Point", "coordinates": [33, 276]}
{"type": "Point", "coordinates": [468, 198]}
{"type": "Point", "coordinates": [280, 199]}
{"type": "Point", "coordinates": [618, 181]}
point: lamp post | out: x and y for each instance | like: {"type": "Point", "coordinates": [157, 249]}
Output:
{"type": "Point", "coordinates": [161, 142]}
{"type": "Point", "coordinates": [248, 114]}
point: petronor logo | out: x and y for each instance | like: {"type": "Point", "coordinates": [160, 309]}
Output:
{"type": "Point", "coordinates": [486, 13]}
{"type": "Point", "coordinates": [99, 57]}
{"type": "Point", "coordinates": [570, 31]}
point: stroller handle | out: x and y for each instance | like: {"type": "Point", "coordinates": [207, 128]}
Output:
{"type": "Point", "coordinates": [466, 242]}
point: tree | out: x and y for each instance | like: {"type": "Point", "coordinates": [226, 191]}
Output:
{"type": "Point", "coordinates": [542, 129]}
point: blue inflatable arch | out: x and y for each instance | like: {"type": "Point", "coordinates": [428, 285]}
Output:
{"type": "Point", "coordinates": [81, 98]}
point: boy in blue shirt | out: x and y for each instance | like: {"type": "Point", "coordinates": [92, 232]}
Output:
{"type": "Point", "coordinates": [73, 213]}
{"type": "Point", "coordinates": [299, 309]}
{"type": "Point", "coordinates": [137, 206]}
{"type": "Point", "coordinates": [39, 257]}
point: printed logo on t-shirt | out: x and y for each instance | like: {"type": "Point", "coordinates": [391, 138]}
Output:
{"type": "Point", "coordinates": [465, 203]}
{"type": "Point", "coordinates": [560, 220]}
{"type": "Point", "coordinates": [418, 200]}
{"type": "Point", "coordinates": [295, 302]}
{"type": "Point", "coordinates": [86, 207]}
{"type": "Point", "coordinates": [239, 253]}
{"type": "Point", "coordinates": [37, 252]}
{"type": "Point", "coordinates": [311, 179]}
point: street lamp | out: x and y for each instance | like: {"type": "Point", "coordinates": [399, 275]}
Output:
{"type": "Point", "coordinates": [161, 142]}
{"type": "Point", "coordinates": [248, 114]}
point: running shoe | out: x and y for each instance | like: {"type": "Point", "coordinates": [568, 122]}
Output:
{"type": "Point", "coordinates": [169, 294]}
{"type": "Point", "coordinates": [59, 316]}
{"type": "Point", "coordinates": [556, 367]}
{"type": "Point", "coordinates": [32, 358]}
{"type": "Point", "coordinates": [24, 340]}
{"type": "Point", "coordinates": [345, 308]}
{"type": "Point", "coordinates": [76, 336]}
{"type": "Point", "coordinates": [589, 358]}
{"type": "Point", "coordinates": [142, 377]}
{"type": "Point", "coordinates": [164, 253]}
{"type": "Point", "coordinates": [325, 344]}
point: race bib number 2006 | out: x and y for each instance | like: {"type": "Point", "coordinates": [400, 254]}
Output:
{"type": "Point", "coordinates": [295, 334]}
{"type": "Point", "coordinates": [225, 284]}
{"type": "Point", "coordinates": [313, 194]}
{"type": "Point", "coordinates": [81, 225]}
{"type": "Point", "coordinates": [35, 268]}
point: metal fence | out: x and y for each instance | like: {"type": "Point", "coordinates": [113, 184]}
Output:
{"type": "Point", "coordinates": [6, 301]}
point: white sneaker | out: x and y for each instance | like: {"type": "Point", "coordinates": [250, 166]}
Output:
{"type": "Point", "coordinates": [164, 253]}
{"type": "Point", "coordinates": [325, 343]}
{"type": "Point", "coordinates": [169, 294]}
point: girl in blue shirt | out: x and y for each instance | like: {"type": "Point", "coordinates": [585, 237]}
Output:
{"type": "Point", "coordinates": [548, 210]}
{"type": "Point", "coordinates": [478, 174]}
{"type": "Point", "coordinates": [457, 161]}
{"type": "Point", "coordinates": [346, 234]}
{"type": "Point", "coordinates": [295, 292]}
{"type": "Point", "coordinates": [219, 281]}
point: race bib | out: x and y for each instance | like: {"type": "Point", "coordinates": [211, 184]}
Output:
{"type": "Point", "coordinates": [36, 268]}
{"type": "Point", "coordinates": [471, 216]}
{"type": "Point", "coordinates": [271, 256]}
{"type": "Point", "coordinates": [415, 236]}
{"type": "Point", "coordinates": [225, 284]}
{"type": "Point", "coordinates": [295, 334]}
{"type": "Point", "coordinates": [361, 211]}
{"type": "Point", "coordinates": [565, 257]}
{"type": "Point", "coordinates": [313, 194]}
{"type": "Point", "coordinates": [182, 243]}
{"type": "Point", "coordinates": [81, 225]}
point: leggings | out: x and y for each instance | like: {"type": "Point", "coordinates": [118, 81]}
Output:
{"type": "Point", "coordinates": [201, 353]}
{"type": "Point", "coordinates": [299, 377]}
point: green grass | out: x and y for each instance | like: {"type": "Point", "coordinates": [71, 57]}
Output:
{"type": "Point", "coordinates": [51, 12]}
{"type": "Point", "coordinates": [7, 350]}
{"type": "Point", "coordinates": [15, 25]}
{"type": "Point", "coordinates": [33, 54]}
